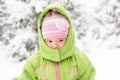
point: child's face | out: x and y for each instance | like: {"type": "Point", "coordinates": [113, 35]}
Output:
{"type": "Point", "coordinates": [55, 43]}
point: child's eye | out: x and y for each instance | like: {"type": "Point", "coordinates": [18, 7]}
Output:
{"type": "Point", "coordinates": [50, 41]}
{"type": "Point", "coordinates": [61, 40]}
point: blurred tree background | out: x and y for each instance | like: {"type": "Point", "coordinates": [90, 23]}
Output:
{"type": "Point", "coordinates": [96, 24]}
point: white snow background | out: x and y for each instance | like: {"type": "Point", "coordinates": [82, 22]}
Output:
{"type": "Point", "coordinates": [105, 57]}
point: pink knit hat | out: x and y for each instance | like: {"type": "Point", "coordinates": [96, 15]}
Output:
{"type": "Point", "coordinates": [54, 25]}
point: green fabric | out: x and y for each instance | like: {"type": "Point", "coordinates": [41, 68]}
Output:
{"type": "Point", "coordinates": [73, 65]}
{"type": "Point", "coordinates": [64, 52]}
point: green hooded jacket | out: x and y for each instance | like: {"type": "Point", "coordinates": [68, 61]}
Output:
{"type": "Point", "coordinates": [67, 63]}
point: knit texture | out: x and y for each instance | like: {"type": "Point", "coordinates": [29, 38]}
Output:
{"type": "Point", "coordinates": [54, 25]}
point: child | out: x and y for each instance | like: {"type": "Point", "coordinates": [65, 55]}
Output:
{"type": "Point", "coordinates": [57, 59]}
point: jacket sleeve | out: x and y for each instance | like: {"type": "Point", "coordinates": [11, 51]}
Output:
{"type": "Point", "coordinates": [86, 71]}
{"type": "Point", "coordinates": [29, 69]}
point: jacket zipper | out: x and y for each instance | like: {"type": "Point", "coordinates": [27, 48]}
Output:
{"type": "Point", "coordinates": [57, 71]}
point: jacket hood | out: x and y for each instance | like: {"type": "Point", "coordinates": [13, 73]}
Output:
{"type": "Point", "coordinates": [68, 49]}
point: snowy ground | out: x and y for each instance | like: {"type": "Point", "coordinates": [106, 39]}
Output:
{"type": "Point", "coordinates": [107, 64]}
{"type": "Point", "coordinates": [8, 69]}
{"type": "Point", "coordinates": [105, 61]}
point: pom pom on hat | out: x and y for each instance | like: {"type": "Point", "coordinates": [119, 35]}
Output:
{"type": "Point", "coordinates": [54, 25]}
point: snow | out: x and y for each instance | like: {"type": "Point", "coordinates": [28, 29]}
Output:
{"type": "Point", "coordinates": [103, 55]}
{"type": "Point", "coordinates": [38, 5]}
{"type": "Point", "coordinates": [18, 9]}
{"type": "Point", "coordinates": [107, 68]}
{"type": "Point", "coordinates": [105, 61]}
{"type": "Point", "coordinates": [8, 69]}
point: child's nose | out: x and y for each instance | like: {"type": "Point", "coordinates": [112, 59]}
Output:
{"type": "Point", "coordinates": [55, 46]}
